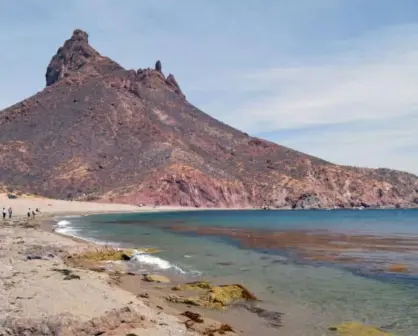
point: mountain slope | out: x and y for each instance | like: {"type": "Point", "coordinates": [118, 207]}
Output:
{"type": "Point", "coordinates": [100, 131]}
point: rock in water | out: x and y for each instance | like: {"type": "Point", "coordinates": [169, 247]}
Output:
{"type": "Point", "coordinates": [212, 296]}
{"type": "Point", "coordinates": [357, 329]}
{"type": "Point", "coordinates": [129, 136]}
{"type": "Point", "coordinates": [125, 257]}
{"type": "Point", "coordinates": [104, 254]}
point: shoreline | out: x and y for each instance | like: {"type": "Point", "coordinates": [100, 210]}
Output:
{"type": "Point", "coordinates": [31, 247]}
{"type": "Point", "coordinates": [155, 296]}
{"type": "Point", "coordinates": [123, 289]}
{"type": "Point", "coordinates": [38, 233]}
{"type": "Point", "coordinates": [22, 203]}
{"type": "Point", "coordinates": [38, 299]}
{"type": "Point", "coordinates": [293, 319]}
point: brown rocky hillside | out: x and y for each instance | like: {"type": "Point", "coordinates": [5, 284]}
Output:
{"type": "Point", "coordinates": [98, 131]}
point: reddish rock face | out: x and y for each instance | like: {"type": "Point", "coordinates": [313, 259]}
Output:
{"type": "Point", "coordinates": [75, 54]}
{"type": "Point", "coordinates": [98, 131]}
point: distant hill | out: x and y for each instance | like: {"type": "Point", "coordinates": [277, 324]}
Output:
{"type": "Point", "coordinates": [98, 131]}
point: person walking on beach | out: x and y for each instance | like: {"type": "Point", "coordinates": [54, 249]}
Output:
{"type": "Point", "coordinates": [29, 213]}
{"type": "Point", "coordinates": [4, 213]}
{"type": "Point", "coordinates": [10, 211]}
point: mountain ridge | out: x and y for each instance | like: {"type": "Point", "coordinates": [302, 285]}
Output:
{"type": "Point", "coordinates": [99, 131]}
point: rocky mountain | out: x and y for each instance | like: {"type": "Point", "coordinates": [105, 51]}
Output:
{"type": "Point", "coordinates": [98, 131]}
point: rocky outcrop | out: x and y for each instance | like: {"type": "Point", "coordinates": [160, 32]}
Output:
{"type": "Point", "coordinates": [156, 278]}
{"type": "Point", "coordinates": [306, 201]}
{"type": "Point", "coordinates": [101, 132]}
{"type": "Point", "coordinates": [75, 54]}
{"type": "Point", "coordinates": [171, 82]}
{"type": "Point", "coordinates": [158, 66]}
{"type": "Point", "coordinates": [357, 329]}
{"type": "Point", "coordinates": [212, 296]}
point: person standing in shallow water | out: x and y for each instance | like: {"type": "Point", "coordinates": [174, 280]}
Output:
{"type": "Point", "coordinates": [10, 211]}
{"type": "Point", "coordinates": [33, 214]}
{"type": "Point", "coordinates": [4, 213]}
{"type": "Point", "coordinates": [29, 213]}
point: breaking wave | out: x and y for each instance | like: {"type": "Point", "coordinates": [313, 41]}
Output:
{"type": "Point", "coordinates": [63, 227]}
{"type": "Point", "coordinates": [66, 227]}
{"type": "Point", "coordinates": [155, 262]}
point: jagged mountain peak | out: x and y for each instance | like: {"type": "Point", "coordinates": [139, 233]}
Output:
{"type": "Point", "coordinates": [80, 35]}
{"type": "Point", "coordinates": [77, 58]}
{"type": "Point", "coordinates": [77, 54]}
{"type": "Point", "coordinates": [98, 131]}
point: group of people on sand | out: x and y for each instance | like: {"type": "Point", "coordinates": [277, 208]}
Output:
{"type": "Point", "coordinates": [31, 212]}
{"type": "Point", "coordinates": [9, 211]}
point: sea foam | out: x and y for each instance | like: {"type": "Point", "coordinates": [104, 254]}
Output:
{"type": "Point", "coordinates": [63, 226]}
{"type": "Point", "coordinates": [155, 262]}
{"type": "Point", "coordinates": [66, 227]}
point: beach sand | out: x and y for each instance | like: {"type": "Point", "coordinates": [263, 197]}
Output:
{"type": "Point", "coordinates": [38, 297]}
{"type": "Point", "coordinates": [37, 300]}
{"type": "Point", "coordinates": [49, 206]}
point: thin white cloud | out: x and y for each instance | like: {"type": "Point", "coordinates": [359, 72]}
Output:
{"type": "Point", "coordinates": [381, 84]}
{"type": "Point", "coordinates": [391, 143]}
{"type": "Point", "coordinates": [369, 84]}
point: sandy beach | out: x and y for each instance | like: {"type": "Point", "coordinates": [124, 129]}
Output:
{"type": "Point", "coordinates": [38, 297]}
{"type": "Point", "coordinates": [48, 206]}
{"type": "Point", "coordinates": [37, 300]}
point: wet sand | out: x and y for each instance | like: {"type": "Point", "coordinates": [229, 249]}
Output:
{"type": "Point", "coordinates": [251, 318]}
{"type": "Point", "coordinates": [155, 296]}
{"type": "Point", "coordinates": [241, 319]}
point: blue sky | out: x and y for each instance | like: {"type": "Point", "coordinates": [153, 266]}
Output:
{"type": "Point", "coordinates": [333, 78]}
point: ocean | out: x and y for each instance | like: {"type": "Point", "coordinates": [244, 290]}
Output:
{"type": "Point", "coordinates": [316, 267]}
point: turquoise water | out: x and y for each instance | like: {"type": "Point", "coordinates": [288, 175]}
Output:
{"type": "Point", "coordinates": [314, 294]}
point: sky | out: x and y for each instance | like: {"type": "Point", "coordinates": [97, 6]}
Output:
{"type": "Point", "coordinates": [336, 79]}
